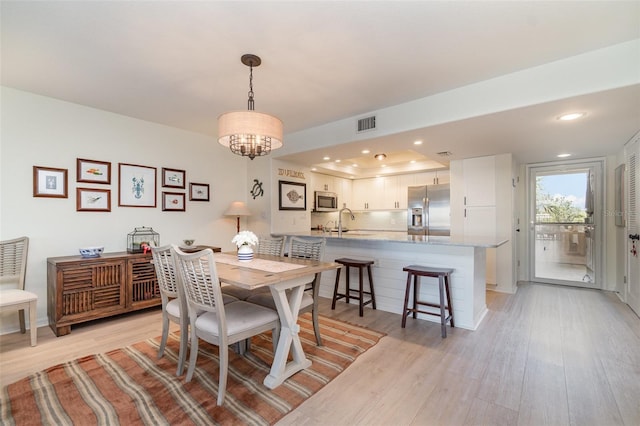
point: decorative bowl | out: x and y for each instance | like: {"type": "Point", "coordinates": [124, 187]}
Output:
{"type": "Point", "coordinates": [188, 243]}
{"type": "Point", "coordinates": [91, 251]}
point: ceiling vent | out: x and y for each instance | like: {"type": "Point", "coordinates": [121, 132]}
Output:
{"type": "Point", "coordinates": [445, 153]}
{"type": "Point", "coordinates": [367, 123]}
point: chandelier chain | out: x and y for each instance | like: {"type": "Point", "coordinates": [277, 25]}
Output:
{"type": "Point", "coordinates": [250, 103]}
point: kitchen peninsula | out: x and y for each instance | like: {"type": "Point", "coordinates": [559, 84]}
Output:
{"type": "Point", "coordinates": [391, 251]}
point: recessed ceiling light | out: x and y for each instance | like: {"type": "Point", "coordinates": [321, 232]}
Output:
{"type": "Point", "coordinates": [571, 116]}
{"type": "Point", "coordinates": [563, 155]}
{"type": "Point", "coordinates": [365, 151]}
{"type": "Point", "coordinates": [354, 165]}
{"type": "Point", "coordinates": [417, 143]}
{"type": "Point", "coordinates": [380, 157]}
{"type": "Point", "coordinates": [337, 161]}
{"type": "Point", "coordinates": [313, 169]}
{"type": "Point", "coordinates": [326, 158]}
{"type": "Point", "coordinates": [412, 161]}
{"type": "Point", "coordinates": [383, 165]}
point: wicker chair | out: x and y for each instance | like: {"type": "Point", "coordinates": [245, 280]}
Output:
{"type": "Point", "coordinates": [13, 296]}
{"type": "Point", "coordinates": [174, 307]}
{"type": "Point", "coordinates": [220, 324]}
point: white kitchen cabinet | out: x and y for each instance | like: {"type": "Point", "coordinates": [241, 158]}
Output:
{"type": "Point", "coordinates": [396, 191]}
{"type": "Point", "coordinates": [368, 194]}
{"type": "Point", "coordinates": [432, 178]}
{"type": "Point", "coordinates": [480, 181]}
{"type": "Point", "coordinates": [481, 206]}
{"type": "Point", "coordinates": [326, 183]}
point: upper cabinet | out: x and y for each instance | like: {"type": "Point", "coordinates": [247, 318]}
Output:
{"type": "Point", "coordinates": [480, 181]}
{"type": "Point", "coordinates": [432, 178]}
{"type": "Point", "coordinates": [381, 193]}
{"type": "Point", "coordinates": [368, 194]}
{"type": "Point", "coordinates": [326, 183]}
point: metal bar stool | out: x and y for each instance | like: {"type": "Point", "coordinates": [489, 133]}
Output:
{"type": "Point", "coordinates": [444, 276]}
{"type": "Point", "coordinates": [360, 264]}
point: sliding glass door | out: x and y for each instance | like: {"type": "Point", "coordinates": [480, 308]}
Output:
{"type": "Point", "coordinates": [565, 217]}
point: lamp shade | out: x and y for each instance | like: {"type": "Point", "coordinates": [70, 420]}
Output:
{"type": "Point", "coordinates": [249, 124]}
{"type": "Point", "coordinates": [237, 208]}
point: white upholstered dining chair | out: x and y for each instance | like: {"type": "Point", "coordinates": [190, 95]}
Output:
{"type": "Point", "coordinates": [174, 304]}
{"type": "Point", "coordinates": [174, 308]}
{"type": "Point", "coordinates": [13, 296]}
{"type": "Point", "coordinates": [219, 324]}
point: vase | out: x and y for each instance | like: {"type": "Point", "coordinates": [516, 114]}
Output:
{"type": "Point", "coordinates": [245, 253]}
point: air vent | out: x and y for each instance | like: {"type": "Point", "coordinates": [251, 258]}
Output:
{"type": "Point", "coordinates": [368, 123]}
{"type": "Point", "coordinates": [445, 153]}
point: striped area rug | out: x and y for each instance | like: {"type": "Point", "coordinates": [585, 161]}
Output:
{"type": "Point", "coordinates": [130, 386]}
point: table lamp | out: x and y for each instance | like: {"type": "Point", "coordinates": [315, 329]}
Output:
{"type": "Point", "coordinates": [237, 208]}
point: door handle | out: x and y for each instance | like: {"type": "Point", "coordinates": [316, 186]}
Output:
{"type": "Point", "coordinates": [517, 229]}
{"type": "Point", "coordinates": [634, 236]}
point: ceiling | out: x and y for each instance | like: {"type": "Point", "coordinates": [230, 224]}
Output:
{"type": "Point", "coordinates": [178, 63]}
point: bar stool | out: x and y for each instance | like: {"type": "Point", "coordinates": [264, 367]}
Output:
{"type": "Point", "coordinates": [444, 276]}
{"type": "Point", "coordinates": [360, 264]}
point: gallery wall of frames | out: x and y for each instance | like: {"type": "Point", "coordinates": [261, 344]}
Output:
{"type": "Point", "coordinates": [137, 186]}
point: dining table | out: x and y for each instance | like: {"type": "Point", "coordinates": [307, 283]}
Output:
{"type": "Point", "coordinates": [279, 274]}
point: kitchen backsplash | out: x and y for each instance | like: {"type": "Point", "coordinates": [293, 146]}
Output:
{"type": "Point", "coordinates": [395, 220]}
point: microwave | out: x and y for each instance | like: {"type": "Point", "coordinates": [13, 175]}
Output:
{"type": "Point", "coordinates": [326, 201]}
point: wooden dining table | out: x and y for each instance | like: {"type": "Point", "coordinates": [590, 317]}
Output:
{"type": "Point", "coordinates": [279, 274]}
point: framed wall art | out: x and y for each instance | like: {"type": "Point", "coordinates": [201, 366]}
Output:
{"type": "Point", "coordinates": [173, 178]}
{"type": "Point", "coordinates": [136, 185]}
{"type": "Point", "coordinates": [173, 201]}
{"type": "Point", "coordinates": [198, 191]}
{"type": "Point", "coordinates": [92, 171]}
{"type": "Point", "coordinates": [49, 182]}
{"type": "Point", "coordinates": [93, 200]}
{"type": "Point", "coordinates": [292, 195]}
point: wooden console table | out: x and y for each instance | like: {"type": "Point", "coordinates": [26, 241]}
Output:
{"type": "Point", "coordinates": [82, 289]}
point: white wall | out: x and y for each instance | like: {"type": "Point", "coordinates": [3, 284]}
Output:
{"type": "Point", "coordinates": [42, 131]}
{"type": "Point", "coordinates": [286, 221]}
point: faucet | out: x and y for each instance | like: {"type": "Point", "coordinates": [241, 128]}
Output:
{"type": "Point", "coordinates": [340, 218]}
{"type": "Point", "coordinates": [326, 228]}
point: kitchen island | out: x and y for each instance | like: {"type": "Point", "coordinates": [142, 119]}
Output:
{"type": "Point", "coordinates": [391, 251]}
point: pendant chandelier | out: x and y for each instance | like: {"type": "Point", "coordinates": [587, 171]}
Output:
{"type": "Point", "coordinates": [249, 133]}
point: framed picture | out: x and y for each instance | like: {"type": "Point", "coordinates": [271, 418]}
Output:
{"type": "Point", "coordinates": [172, 178]}
{"type": "Point", "coordinates": [49, 182]}
{"type": "Point", "coordinates": [173, 201]}
{"type": "Point", "coordinates": [92, 171]}
{"type": "Point", "coordinates": [93, 200]}
{"type": "Point", "coordinates": [136, 185]}
{"type": "Point", "coordinates": [292, 195]}
{"type": "Point", "coordinates": [198, 191]}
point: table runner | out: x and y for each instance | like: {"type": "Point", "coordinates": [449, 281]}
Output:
{"type": "Point", "coordinates": [261, 264]}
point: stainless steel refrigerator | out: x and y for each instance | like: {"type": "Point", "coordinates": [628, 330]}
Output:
{"type": "Point", "coordinates": [429, 210]}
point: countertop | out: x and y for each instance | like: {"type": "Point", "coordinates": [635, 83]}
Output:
{"type": "Point", "coordinates": [400, 236]}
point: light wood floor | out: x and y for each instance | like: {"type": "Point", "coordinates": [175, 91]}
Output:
{"type": "Point", "coordinates": [548, 355]}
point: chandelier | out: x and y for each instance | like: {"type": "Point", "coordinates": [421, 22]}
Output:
{"type": "Point", "coordinates": [250, 133]}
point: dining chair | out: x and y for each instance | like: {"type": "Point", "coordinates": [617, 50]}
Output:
{"type": "Point", "coordinates": [13, 296]}
{"type": "Point", "coordinates": [174, 307]}
{"type": "Point", "coordinates": [266, 245]}
{"type": "Point", "coordinates": [301, 248]}
{"type": "Point", "coordinates": [219, 324]}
